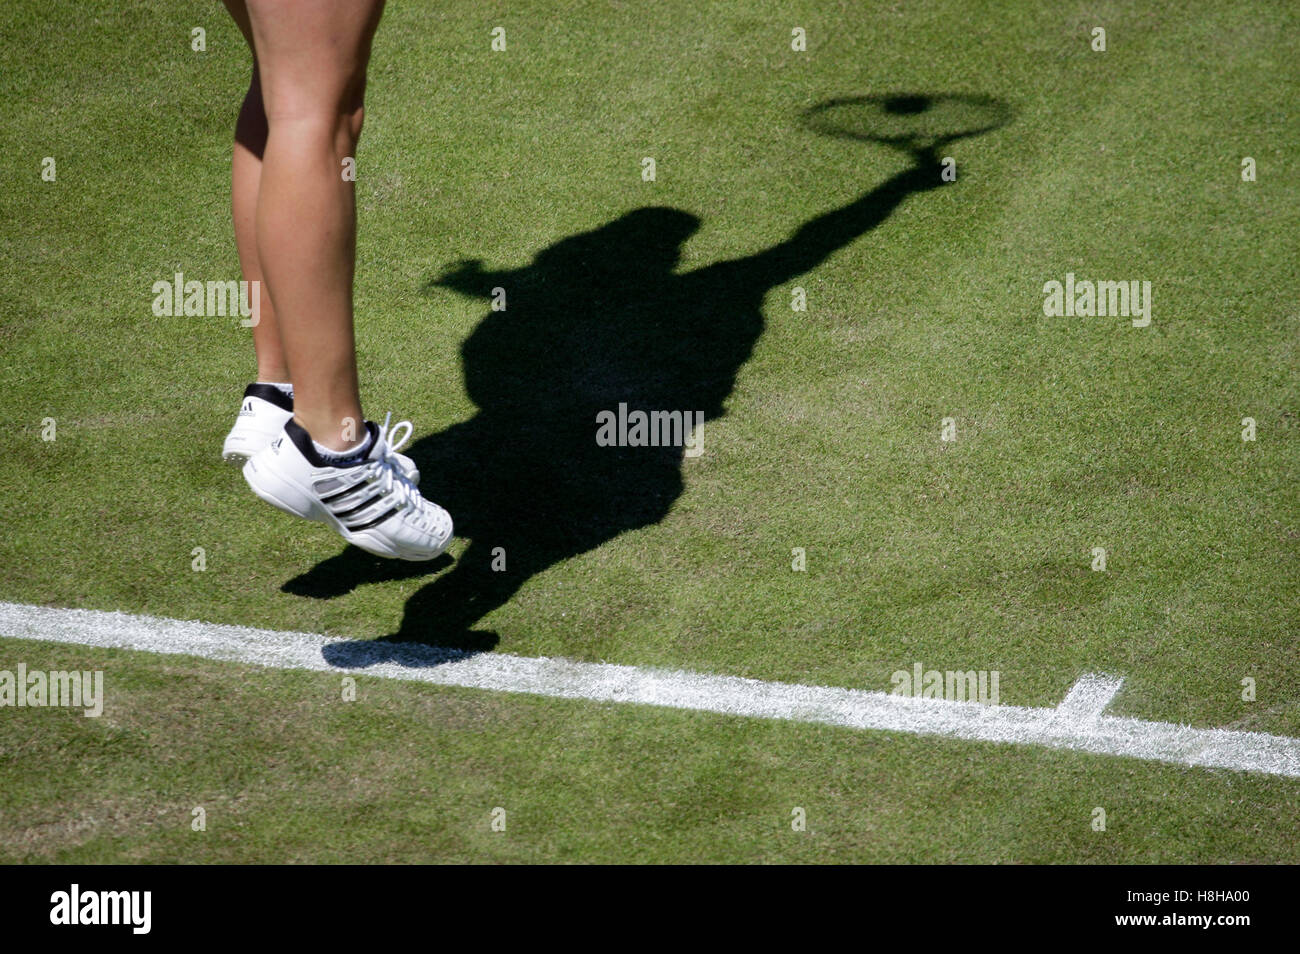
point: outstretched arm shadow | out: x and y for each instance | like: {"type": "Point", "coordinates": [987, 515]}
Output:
{"type": "Point", "coordinates": [820, 237]}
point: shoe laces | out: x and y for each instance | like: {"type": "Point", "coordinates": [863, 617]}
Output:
{"type": "Point", "coordinates": [385, 470]}
{"type": "Point", "coordinates": [394, 443]}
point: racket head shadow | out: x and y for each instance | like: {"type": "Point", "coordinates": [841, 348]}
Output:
{"type": "Point", "coordinates": [916, 122]}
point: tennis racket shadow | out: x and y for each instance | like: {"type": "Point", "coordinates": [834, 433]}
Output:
{"type": "Point", "coordinates": [598, 319]}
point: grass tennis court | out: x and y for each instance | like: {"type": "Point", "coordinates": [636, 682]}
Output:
{"type": "Point", "coordinates": [823, 440]}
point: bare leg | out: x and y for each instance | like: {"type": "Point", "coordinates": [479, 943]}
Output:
{"type": "Point", "coordinates": [311, 58]}
{"type": "Point", "coordinates": [245, 180]}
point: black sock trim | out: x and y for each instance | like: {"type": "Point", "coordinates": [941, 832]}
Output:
{"type": "Point", "coordinates": [302, 440]}
{"type": "Point", "coordinates": [270, 394]}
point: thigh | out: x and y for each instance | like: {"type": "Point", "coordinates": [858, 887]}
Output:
{"type": "Point", "coordinates": [312, 54]}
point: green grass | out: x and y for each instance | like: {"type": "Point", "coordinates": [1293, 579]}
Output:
{"type": "Point", "coordinates": [1072, 433]}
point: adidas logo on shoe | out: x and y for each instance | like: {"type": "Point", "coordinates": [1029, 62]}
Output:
{"type": "Point", "coordinates": [262, 412]}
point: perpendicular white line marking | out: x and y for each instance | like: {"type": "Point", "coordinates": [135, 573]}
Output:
{"type": "Point", "coordinates": [1088, 698]}
{"type": "Point", "coordinates": [1077, 724]}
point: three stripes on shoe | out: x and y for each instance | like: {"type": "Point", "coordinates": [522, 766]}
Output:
{"type": "Point", "coordinates": [340, 496]}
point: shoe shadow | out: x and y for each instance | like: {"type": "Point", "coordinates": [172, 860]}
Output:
{"type": "Point", "coordinates": [597, 320]}
{"type": "Point", "coordinates": [341, 574]}
{"type": "Point", "coordinates": [363, 653]}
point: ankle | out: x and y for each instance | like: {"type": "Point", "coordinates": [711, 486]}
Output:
{"type": "Point", "coordinates": [336, 433]}
{"type": "Point", "coordinates": [273, 375]}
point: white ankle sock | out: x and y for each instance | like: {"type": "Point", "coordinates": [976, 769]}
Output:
{"type": "Point", "coordinates": [360, 450]}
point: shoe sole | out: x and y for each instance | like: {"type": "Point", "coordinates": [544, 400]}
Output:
{"type": "Point", "coordinates": [296, 500]}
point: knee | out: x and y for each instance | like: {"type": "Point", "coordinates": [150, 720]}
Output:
{"type": "Point", "coordinates": [334, 111]}
{"type": "Point", "coordinates": [250, 126]}
{"type": "Point", "coordinates": [354, 120]}
{"type": "Point", "coordinates": [350, 112]}
{"type": "Point", "coordinates": [346, 129]}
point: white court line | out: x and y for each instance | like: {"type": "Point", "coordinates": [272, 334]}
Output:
{"type": "Point", "coordinates": [1078, 723]}
{"type": "Point", "coordinates": [1088, 698]}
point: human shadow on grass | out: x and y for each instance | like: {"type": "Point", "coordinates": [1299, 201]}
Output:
{"type": "Point", "coordinates": [598, 319]}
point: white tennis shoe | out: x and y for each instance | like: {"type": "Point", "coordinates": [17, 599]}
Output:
{"type": "Point", "coordinates": [369, 500]}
